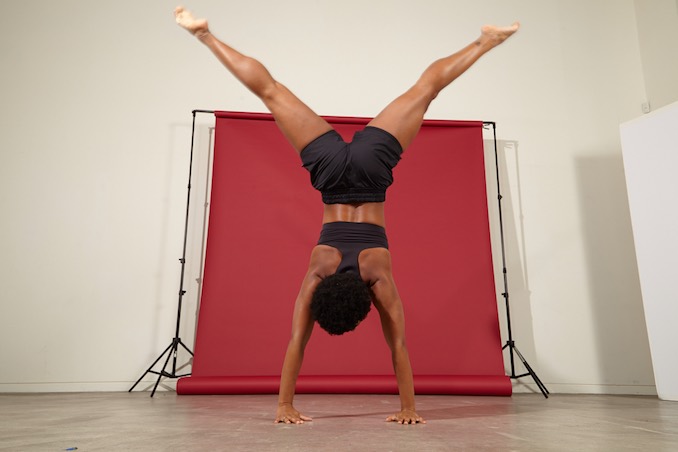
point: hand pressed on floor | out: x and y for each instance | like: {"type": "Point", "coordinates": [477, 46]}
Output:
{"type": "Point", "coordinates": [406, 417]}
{"type": "Point", "coordinates": [288, 415]}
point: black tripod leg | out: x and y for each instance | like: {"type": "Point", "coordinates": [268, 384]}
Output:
{"type": "Point", "coordinates": [151, 367]}
{"type": "Point", "coordinates": [185, 348]}
{"type": "Point", "coordinates": [532, 373]}
{"type": "Point", "coordinates": [536, 379]}
{"type": "Point", "coordinates": [509, 345]}
{"type": "Point", "coordinates": [162, 373]}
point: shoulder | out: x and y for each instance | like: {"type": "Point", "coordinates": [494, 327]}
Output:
{"type": "Point", "coordinates": [375, 269]}
{"type": "Point", "coordinates": [375, 265]}
{"type": "Point", "coordinates": [324, 261]}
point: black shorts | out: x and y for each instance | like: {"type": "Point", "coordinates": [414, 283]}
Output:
{"type": "Point", "coordinates": [355, 172]}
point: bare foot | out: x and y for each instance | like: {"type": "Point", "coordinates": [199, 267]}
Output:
{"type": "Point", "coordinates": [186, 20]}
{"type": "Point", "coordinates": [497, 35]}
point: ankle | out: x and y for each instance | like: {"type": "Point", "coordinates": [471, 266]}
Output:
{"type": "Point", "coordinates": [203, 35]}
{"type": "Point", "coordinates": [485, 42]}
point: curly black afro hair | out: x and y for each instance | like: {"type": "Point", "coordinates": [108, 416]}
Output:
{"type": "Point", "coordinates": [340, 302]}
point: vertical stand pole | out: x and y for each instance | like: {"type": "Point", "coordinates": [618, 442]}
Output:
{"type": "Point", "coordinates": [510, 343]}
{"type": "Point", "coordinates": [173, 348]}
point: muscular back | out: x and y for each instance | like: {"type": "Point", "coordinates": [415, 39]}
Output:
{"type": "Point", "coordinates": [369, 212]}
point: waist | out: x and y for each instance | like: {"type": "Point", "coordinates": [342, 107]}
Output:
{"type": "Point", "coordinates": [339, 232]}
{"type": "Point", "coordinates": [370, 212]}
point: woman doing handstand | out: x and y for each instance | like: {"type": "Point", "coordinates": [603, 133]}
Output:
{"type": "Point", "coordinates": [350, 268]}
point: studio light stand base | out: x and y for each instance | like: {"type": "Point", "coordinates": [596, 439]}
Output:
{"type": "Point", "coordinates": [512, 349]}
{"type": "Point", "coordinates": [171, 352]}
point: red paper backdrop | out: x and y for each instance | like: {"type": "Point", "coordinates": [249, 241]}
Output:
{"type": "Point", "coordinates": [264, 220]}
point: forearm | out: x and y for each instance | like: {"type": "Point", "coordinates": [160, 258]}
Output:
{"type": "Point", "coordinates": [290, 371]}
{"type": "Point", "coordinates": [403, 371]}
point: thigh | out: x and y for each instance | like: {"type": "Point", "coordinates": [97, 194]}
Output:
{"type": "Point", "coordinates": [296, 120]}
{"type": "Point", "coordinates": [402, 118]}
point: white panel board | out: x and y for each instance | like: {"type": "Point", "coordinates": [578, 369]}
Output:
{"type": "Point", "coordinates": [650, 149]}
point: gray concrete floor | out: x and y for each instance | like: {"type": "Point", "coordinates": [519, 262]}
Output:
{"type": "Point", "coordinates": [167, 422]}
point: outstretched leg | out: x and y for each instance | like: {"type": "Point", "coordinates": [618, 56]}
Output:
{"type": "Point", "coordinates": [296, 120]}
{"type": "Point", "coordinates": [403, 117]}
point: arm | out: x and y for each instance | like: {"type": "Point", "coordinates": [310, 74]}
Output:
{"type": "Point", "coordinates": [302, 327]}
{"type": "Point", "coordinates": [390, 308]}
{"type": "Point", "coordinates": [323, 262]}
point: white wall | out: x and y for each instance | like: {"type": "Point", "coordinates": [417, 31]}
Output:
{"type": "Point", "coordinates": [96, 102]}
{"type": "Point", "coordinates": [658, 38]}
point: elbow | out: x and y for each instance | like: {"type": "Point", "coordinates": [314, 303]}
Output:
{"type": "Point", "coordinates": [298, 340]}
{"type": "Point", "coordinates": [399, 348]}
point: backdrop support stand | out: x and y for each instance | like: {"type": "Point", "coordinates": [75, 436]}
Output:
{"type": "Point", "coordinates": [510, 343]}
{"type": "Point", "coordinates": [172, 349]}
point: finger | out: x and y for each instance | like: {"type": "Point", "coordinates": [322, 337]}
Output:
{"type": "Point", "coordinates": [305, 418]}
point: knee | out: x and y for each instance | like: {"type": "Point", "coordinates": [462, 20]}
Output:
{"type": "Point", "coordinates": [271, 91]}
{"type": "Point", "coordinates": [425, 91]}
{"type": "Point", "coordinates": [428, 90]}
